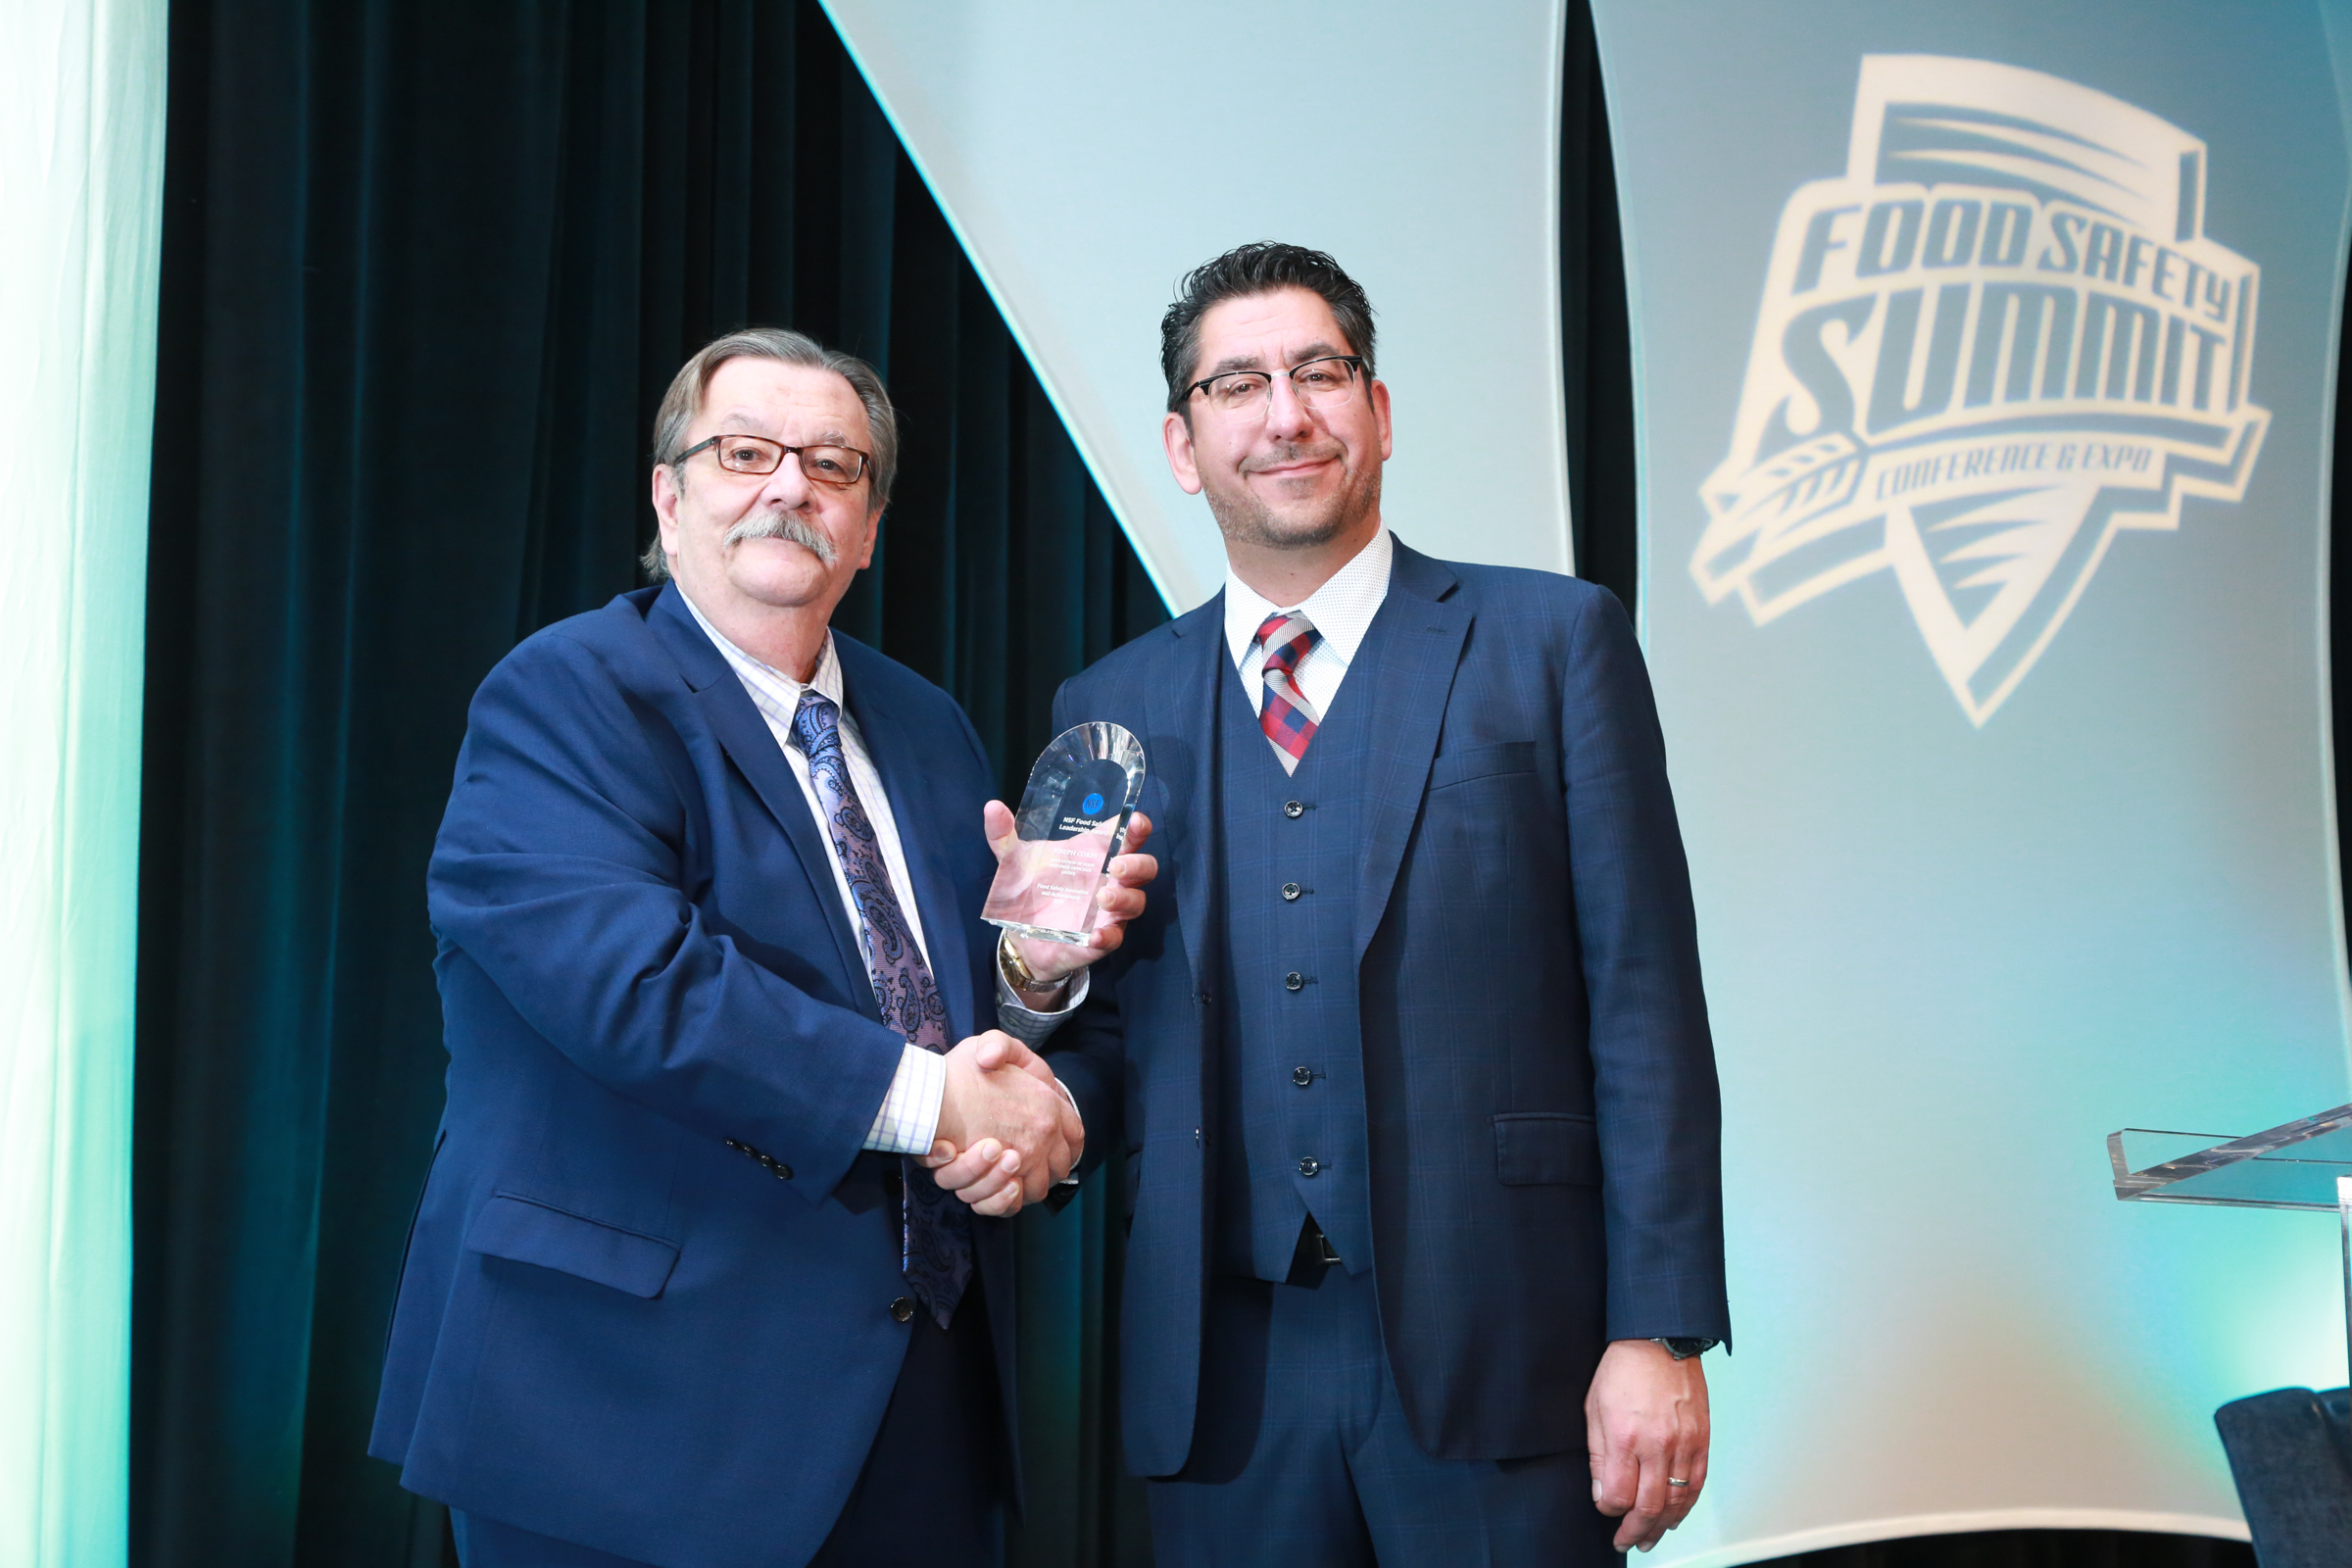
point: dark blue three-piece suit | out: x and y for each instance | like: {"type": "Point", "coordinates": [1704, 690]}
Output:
{"type": "Point", "coordinates": [648, 1303]}
{"type": "Point", "coordinates": [1437, 991]}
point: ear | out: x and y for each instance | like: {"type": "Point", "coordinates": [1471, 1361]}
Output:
{"type": "Point", "coordinates": [873, 536]}
{"type": "Point", "coordinates": [665, 508]}
{"type": "Point", "coordinates": [1379, 413]}
{"type": "Point", "coordinates": [1176, 435]}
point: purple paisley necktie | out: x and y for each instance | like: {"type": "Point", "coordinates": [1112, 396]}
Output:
{"type": "Point", "coordinates": [936, 1241]}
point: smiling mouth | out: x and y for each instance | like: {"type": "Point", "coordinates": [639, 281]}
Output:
{"type": "Point", "coordinates": [1293, 460]}
{"type": "Point", "coordinates": [1292, 471]}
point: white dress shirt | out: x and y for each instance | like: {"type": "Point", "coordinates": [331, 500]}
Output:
{"type": "Point", "coordinates": [1342, 609]}
{"type": "Point", "coordinates": [909, 1113]}
{"type": "Point", "coordinates": [908, 1118]}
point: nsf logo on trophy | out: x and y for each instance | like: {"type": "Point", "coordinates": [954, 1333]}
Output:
{"type": "Point", "coordinates": [2001, 339]}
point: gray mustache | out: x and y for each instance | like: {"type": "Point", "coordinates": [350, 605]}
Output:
{"type": "Point", "coordinates": [784, 525]}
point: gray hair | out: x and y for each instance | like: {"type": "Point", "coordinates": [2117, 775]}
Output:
{"type": "Point", "coordinates": [684, 400]}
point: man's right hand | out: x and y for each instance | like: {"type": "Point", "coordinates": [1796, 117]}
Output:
{"type": "Point", "coordinates": [1008, 1133]}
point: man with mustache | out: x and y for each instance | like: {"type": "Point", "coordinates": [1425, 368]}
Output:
{"type": "Point", "coordinates": [681, 1289]}
{"type": "Point", "coordinates": [1410, 1053]}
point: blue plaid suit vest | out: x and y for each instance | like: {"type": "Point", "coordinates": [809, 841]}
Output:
{"type": "Point", "coordinates": [1290, 1135]}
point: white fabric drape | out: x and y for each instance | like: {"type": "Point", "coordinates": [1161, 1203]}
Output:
{"type": "Point", "coordinates": [1086, 155]}
{"type": "Point", "coordinates": [81, 151]}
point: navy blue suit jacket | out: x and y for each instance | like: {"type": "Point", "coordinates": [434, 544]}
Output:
{"type": "Point", "coordinates": [1540, 1084]}
{"type": "Point", "coordinates": [612, 1327]}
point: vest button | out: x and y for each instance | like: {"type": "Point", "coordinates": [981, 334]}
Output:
{"type": "Point", "coordinates": [902, 1311]}
{"type": "Point", "coordinates": [1290, 892]}
{"type": "Point", "coordinates": [1294, 981]}
{"type": "Point", "coordinates": [1309, 1166]}
{"type": "Point", "coordinates": [1302, 1077]}
{"type": "Point", "coordinates": [1293, 809]}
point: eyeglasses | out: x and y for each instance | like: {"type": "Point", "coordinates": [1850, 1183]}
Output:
{"type": "Point", "coordinates": [1325, 384]}
{"type": "Point", "coordinates": [838, 467]}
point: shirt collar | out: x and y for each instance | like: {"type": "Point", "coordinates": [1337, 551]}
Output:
{"type": "Point", "coordinates": [1342, 609]}
{"type": "Point", "coordinates": [766, 677]}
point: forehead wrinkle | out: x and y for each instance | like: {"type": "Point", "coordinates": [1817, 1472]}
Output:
{"type": "Point", "coordinates": [1317, 350]}
{"type": "Point", "coordinates": [747, 421]}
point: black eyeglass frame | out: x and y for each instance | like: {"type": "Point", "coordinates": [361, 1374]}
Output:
{"type": "Point", "coordinates": [1354, 362]}
{"type": "Point", "coordinates": [865, 460]}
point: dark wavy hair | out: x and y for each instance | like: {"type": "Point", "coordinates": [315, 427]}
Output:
{"type": "Point", "coordinates": [1259, 268]}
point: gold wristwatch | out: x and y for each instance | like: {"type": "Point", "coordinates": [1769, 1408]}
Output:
{"type": "Point", "coordinates": [1017, 971]}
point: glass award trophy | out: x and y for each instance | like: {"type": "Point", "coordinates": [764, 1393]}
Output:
{"type": "Point", "coordinates": [1072, 820]}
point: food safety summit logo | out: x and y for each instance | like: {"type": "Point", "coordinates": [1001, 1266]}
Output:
{"type": "Point", "coordinates": [1999, 340]}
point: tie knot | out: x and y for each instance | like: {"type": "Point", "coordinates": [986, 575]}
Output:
{"type": "Point", "coordinates": [816, 723]}
{"type": "Point", "coordinates": [1288, 635]}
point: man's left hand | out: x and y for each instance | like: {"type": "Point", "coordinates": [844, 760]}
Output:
{"type": "Point", "coordinates": [1121, 897]}
{"type": "Point", "coordinates": [1645, 1428]}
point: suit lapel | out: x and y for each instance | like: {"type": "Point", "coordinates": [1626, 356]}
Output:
{"type": "Point", "coordinates": [1406, 670]}
{"type": "Point", "coordinates": [1185, 711]}
{"type": "Point", "coordinates": [751, 747]}
{"type": "Point", "coordinates": [923, 833]}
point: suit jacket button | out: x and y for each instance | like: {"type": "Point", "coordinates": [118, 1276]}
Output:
{"type": "Point", "coordinates": [1310, 1166]}
{"type": "Point", "coordinates": [902, 1311]}
{"type": "Point", "coordinates": [1294, 981]}
{"type": "Point", "coordinates": [1302, 1077]}
{"type": "Point", "coordinates": [1293, 809]}
{"type": "Point", "coordinates": [781, 1171]}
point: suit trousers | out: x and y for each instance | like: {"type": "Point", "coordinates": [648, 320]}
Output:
{"type": "Point", "coordinates": [1302, 1456]}
{"type": "Point", "coordinates": [931, 1492]}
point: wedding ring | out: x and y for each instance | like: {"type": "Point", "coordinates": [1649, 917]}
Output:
{"type": "Point", "coordinates": [1672, 1482]}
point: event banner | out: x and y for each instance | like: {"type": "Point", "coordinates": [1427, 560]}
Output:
{"type": "Point", "coordinates": [1985, 357]}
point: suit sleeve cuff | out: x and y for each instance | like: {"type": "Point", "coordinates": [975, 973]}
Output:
{"type": "Point", "coordinates": [908, 1119]}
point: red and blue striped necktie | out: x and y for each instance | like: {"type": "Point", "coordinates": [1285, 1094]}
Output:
{"type": "Point", "coordinates": [1287, 717]}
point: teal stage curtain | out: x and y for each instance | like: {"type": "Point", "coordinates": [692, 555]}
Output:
{"type": "Point", "coordinates": [429, 268]}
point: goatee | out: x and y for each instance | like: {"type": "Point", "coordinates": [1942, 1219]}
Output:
{"type": "Point", "coordinates": [1245, 518]}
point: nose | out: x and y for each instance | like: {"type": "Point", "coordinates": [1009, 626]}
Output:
{"type": "Point", "coordinates": [1287, 413]}
{"type": "Point", "coordinates": [787, 488]}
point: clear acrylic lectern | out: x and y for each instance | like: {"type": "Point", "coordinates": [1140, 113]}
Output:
{"type": "Point", "coordinates": [2304, 1165]}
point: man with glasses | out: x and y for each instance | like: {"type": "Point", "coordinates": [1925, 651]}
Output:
{"type": "Point", "coordinates": [681, 1287]}
{"type": "Point", "coordinates": [1410, 1053]}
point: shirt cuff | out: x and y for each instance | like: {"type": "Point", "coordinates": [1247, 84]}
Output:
{"type": "Point", "coordinates": [1026, 1025]}
{"type": "Point", "coordinates": [1031, 1028]}
{"type": "Point", "coordinates": [909, 1120]}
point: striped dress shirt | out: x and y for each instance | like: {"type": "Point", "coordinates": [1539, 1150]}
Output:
{"type": "Point", "coordinates": [909, 1116]}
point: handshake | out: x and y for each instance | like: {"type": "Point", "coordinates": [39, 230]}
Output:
{"type": "Point", "coordinates": [1007, 1131]}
